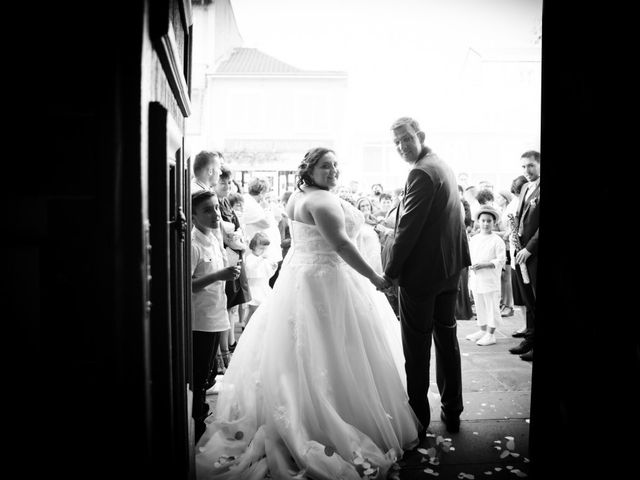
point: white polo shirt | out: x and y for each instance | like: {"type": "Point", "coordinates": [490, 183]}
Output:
{"type": "Point", "coordinates": [209, 305]}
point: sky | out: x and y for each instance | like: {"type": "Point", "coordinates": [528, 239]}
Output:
{"type": "Point", "coordinates": [407, 55]}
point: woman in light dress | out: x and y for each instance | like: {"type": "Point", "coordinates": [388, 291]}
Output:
{"type": "Point", "coordinates": [316, 387]}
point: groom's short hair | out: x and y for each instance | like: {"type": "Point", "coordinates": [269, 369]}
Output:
{"type": "Point", "coordinates": [408, 121]}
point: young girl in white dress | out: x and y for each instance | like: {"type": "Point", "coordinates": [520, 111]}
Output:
{"type": "Point", "coordinates": [259, 269]}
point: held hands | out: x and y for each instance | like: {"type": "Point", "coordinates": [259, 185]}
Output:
{"type": "Point", "coordinates": [379, 282]}
{"type": "Point", "coordinates": [384, 283]}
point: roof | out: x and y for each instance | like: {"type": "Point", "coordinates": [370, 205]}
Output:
{"type": "Point", "coordinates": [251, 61]}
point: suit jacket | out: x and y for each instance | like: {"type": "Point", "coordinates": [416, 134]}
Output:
{"type": "Point", "coordinates": [430, 238]}
{"type": "Point", "coordinates": [528, 217]}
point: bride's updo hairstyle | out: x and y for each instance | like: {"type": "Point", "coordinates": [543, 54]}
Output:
{"type": "Point", "coordinates": [311, 158]}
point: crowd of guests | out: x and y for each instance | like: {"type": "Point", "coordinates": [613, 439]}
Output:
{"type": "Point", "coordinates": [237, 258]}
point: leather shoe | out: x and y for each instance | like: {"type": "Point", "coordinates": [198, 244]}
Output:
{"type": "Point", "coordinates": [524, 347]}
{"type": "Point", "coordinates": [518, 334]}
{"type": "Point", "coordinates": [452, 423]}
{"type": "Point", "coordinates": [527, 357]}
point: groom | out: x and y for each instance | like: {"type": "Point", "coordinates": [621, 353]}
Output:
{"type": "Point", "coordinates": [425, 261]}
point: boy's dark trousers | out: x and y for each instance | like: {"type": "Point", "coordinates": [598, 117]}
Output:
{"type": "Point", "coordinates": [205, 346]}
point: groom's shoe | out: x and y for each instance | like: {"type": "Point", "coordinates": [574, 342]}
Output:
{"type": "Point", "coordinates": [524, 347]}
{"type": "Point", "coordinates": [527, 357]}
{"type": "Point", "coordinates": [452, 423]}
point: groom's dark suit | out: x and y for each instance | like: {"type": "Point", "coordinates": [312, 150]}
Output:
{"type": "Point", "coordinates": [528, 221]}
{"type": "Point", "coordinates": [429, 251]}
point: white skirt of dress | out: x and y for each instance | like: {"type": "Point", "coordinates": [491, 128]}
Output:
{"type": "Point", "coordinates": [316, 386]}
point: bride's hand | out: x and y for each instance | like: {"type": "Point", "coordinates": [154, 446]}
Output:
{"type": "Point", "coordinates": [379, 282]}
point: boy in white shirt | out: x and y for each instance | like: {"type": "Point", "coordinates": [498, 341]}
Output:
{"type": "Point", "coordinates": [208, 300]}
{"type": "Point", "coordinates": [488, 255]}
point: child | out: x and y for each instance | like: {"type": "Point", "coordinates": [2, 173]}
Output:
{"type": "Point", "coordinates": [259, 269]}
{"type": "Point", "coordinates": [488, 255]}
{"type": "Point", "coordinates": [208, 300]}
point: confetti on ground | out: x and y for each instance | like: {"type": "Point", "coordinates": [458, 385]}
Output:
{"type": "Point", "coordinates": [469, 476]}
{"type": "Point", "coordinates": [526, 460]}
{"type": "Point", "coordinates": [431, 472]}
{"type": "Point", "coordinates": [488, 472]}
{"type": "Point", "coordinates": [509, 467]}
{"type": "Point", "coordinates": [504, 454]}
{"type": "Point", "coordinates": [519, 473]}
{"type": "Point", "coordinates": [497, 469]}
{"type": "Point", "coordinates": [510, 443]}
{"type": "Point", "coordinates": [476, 433]}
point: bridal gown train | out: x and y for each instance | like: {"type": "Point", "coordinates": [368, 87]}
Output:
{"type": "Point", "coordinates": [316, 387]}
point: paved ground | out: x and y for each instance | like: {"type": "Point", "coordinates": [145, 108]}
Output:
{"type": "Point", "coordinates": [493, 441]}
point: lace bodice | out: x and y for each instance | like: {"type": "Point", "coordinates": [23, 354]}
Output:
{"type": "Point", "coordinates": [308, 244]}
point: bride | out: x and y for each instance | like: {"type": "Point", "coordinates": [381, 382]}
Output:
{"type": "Point", "coordinates": [316, 386]}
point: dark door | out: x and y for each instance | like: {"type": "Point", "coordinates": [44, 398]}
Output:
{"type": "Point", "coordinates": [169, 323]}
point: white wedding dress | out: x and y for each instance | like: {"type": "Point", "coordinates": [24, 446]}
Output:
{"type": "Point", "coordinates": [316, 386]}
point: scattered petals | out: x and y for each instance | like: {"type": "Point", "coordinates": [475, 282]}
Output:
{"type": "Point", "coordinates": [509, 467]}
{"type": "Point", "coordinates": [519, 473]}
{"type": "Point", "coordinates": [439, 439]}
{"type": "Point", "coordinates": [476, 433]}
{"type": "Point", "coordinates": [526, 460]}
{"type": "Point", "coordinates": [358, 460]}
{"type": "Point", "coordinates": [489, 472]}
{"type": "Point", "coordinates": [497, 469]}
{"type": "Point", "coordinates": [423, 451]}
{"type": "Point", "coordinates": [514, 454]}
{"type": "Point", "coordinates": [504, 454]}
{"type": "Point", "coordinates": [369, 471]}
{"type": "Point", "coordinates": [469, 476]}
{"type": "Point", "coordinates": [511, 444]}
{"type": "Point", "coordinates": [497, 441]}
{"type": "Point", "coordinates": [434, 461]}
